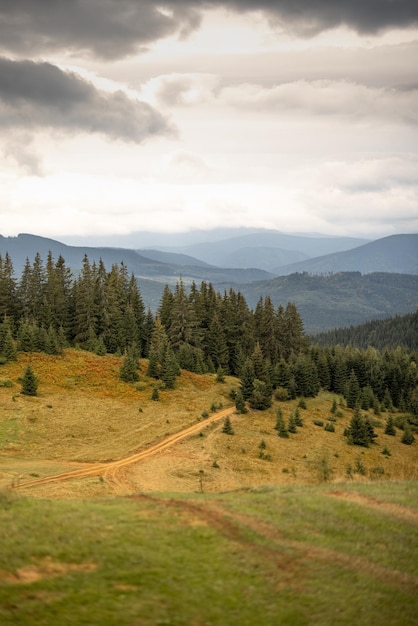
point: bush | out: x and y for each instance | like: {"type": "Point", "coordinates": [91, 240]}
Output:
{"type": "Point", "coordinates": [281, 394]}
{"type": "Point", "coordinates": [6, 382]}
{"type": "Point", "coordinates": [407, 437]}
{"type": "Point", "coordinates": [329, 428]}
{"type": "Point", "coordinates": [318, 423]}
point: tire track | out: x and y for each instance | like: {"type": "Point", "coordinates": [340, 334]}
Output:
{"type": "Point", "coordinates": [112, 467]}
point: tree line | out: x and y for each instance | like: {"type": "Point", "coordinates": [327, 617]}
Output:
{"type": "Point", "coordinates": [401, 330]}
{"type": "Point", "coordinates": [199, 329]}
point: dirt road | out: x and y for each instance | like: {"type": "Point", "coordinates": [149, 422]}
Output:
{"type": "Point", "coordinates": [110, 470]}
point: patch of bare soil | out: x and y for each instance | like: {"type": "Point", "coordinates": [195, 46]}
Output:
{"type": "Point", "coordinates": [388, 507]}
{"type": "Point", "coordinates": [46, 568]}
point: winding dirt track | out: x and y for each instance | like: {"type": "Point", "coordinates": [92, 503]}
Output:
{"type": "Point", "coordinates": [110, 469]}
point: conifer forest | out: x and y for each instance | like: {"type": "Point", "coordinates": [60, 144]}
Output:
{"type": "Point", "coordinates": [196, 328]}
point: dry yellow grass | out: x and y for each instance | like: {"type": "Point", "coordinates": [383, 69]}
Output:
{"type": "Point", "coordinates": [84, 413]}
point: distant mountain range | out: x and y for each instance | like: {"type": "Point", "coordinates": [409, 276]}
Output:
{"type": "Point", "coordinates": [325, 296]}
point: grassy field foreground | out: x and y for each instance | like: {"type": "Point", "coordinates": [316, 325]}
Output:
{"type": "Point", "coordinates": [286, 555]}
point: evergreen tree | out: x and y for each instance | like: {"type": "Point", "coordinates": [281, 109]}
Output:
{"type": "Point", "coordinates": [353, 391]}
{"type": "Point", "coordinates": [8, 349]}
{"type": "Point", "coordinates": [260, 397]}
{"type": "Point", "coordinates": [358, 431]}
{"type": "Point", "coordinates": [157, 350]}
{"type": "Point", "coordinates": [8, 289]}
{"type": "Point", "coordinates": [128, 371]}
{"type": "Point", "coordinates": [292, 424]}
{"type": "Point", "coordinates": [169, 368]}
{"type": "Point", "coordinates": [390, 426]}
{"type": "Point", "coordinates": [298, 417]}
{"type": "Point", "coordinates": [247, 379]}
{"type": "Point", "coordinates": [29, 383]}
{"type": "Point", "coordinates": [227, 427]}
{"type": "Point", "coordinates": [240, 403]}
{"type": "Point", "coordinates": [280, 425]}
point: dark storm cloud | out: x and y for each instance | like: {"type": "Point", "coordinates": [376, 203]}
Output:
{"type": "Point", "coordinates": [106, 28]}
{"type": "Point", "coordinates": [40, 95]}
{"type": "Point", "coordinates": [313, 16]}
{"type": "Point", "coordinates": [116, 28]}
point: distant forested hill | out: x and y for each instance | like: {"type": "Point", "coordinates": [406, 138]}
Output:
{"type": "Point", "coordinates": [339, 300]}
{"type": "Point", "coordinates": [394, 254]}
{"type": "Point", "coordinates": [401, 330]}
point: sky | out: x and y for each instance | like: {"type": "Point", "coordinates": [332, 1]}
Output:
{"type": "Point", "coordinates": [119, 116]}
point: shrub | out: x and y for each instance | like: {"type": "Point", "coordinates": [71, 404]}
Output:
{"type": "Point", "coordinates": [281, 394]}
{"type": "Point", "coordinates": [407, 437]}
{"type": "Point", "coordinates": [359, 467]}
{"type": "Point", "coordinates": [390, 426]}
{"type": "Point", "coordinates": [6, 382]}
{"type": "Point", "coordinates": [329, 428]}
{"type": "Point", "coordinates": [318, 423]}
{"type": "Point", "coordinates": [386, 451]}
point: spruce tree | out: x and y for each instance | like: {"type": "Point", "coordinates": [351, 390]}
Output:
{"type": "Point", "coordinates": [261, 395]}
{"type": "Point", "coordinates": [227, 427]}
{"type": "Point", "coordinates": [358, 432]}
{"type": "Point", "coordinates": [240, 403]}
{"type": "Point", "coordinates": [353, 391]}
{"type": "Point", "coordinates": [128, 371]}
{"type": "Point", "coordinates": [29, 383]}
{"type": "Point", "coordinates": [390, 426]}
{"type": "Point", "coordinates": [280, 425]}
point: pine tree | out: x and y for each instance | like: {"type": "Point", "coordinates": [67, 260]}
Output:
{"type": "Point", "coordinates": [128, 371]}
{"type": "Point", "coordinates": [169, 368]}
{"type": "Point", "coordinates": [240, 403]}
{"type": "Point", "coordinates": [247, 379]}
{"type": "Point", "coordinates": [260, 397]}
{"type": "Point", "coordinates": [280, 425]}
{"type": "Point", "coordinates": [390, 426]}
{"type": "Point", "coordinates": [353, 391]}
{"type": "Point", "coordinates": [292, 424]}
{"type": "Point", "coordinates": [358, 432]}
{"type": "Point", "coordinates": [227, 427]}
{"type": "Point", "coordinates": [29, 383]}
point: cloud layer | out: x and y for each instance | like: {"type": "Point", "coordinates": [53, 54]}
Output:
{"type": "Point", "coordinates": [40, 95]}
{"type": "Point", "coordinates": [113, 29]}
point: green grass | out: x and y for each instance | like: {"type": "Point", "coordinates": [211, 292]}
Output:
{"type": "Point", "coordinates": [285, 555]}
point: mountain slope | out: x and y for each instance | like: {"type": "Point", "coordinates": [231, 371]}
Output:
{"type": "Point", "coordinates": [242, 251]}
{"type": "Point", "coordinates": [26, 246]}
{"type": "Point", "coordinates": [395, 254]}
{"type": "Point", "coordinates": [401, 330]}
{"type": "Point", "coordinates": [341, 299]}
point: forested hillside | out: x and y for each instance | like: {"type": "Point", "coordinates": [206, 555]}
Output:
{"type": "Point", "coordinates": [341, 299]}
{"type": "Point", "coordinates": [401, 330]}
{"type": "Point", "coordinates": [202, 331]}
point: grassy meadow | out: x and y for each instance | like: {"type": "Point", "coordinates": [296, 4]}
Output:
{"type": "Point", "coordinates": [281, 555]}
{"type": "Point", "coordinates": [243, 529]}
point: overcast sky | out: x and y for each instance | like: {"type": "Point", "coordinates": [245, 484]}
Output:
{"type": "Point", "coordinates": [125, 115]}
